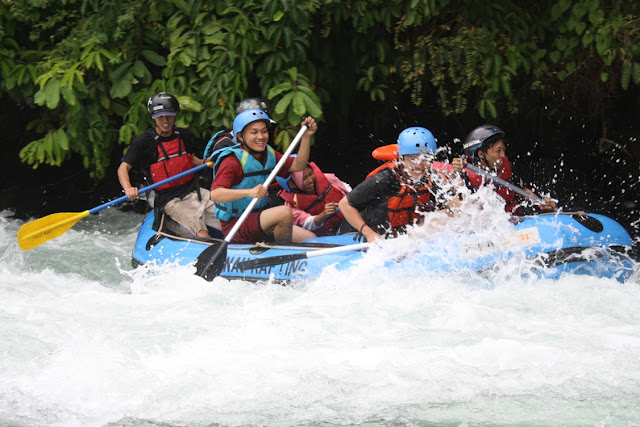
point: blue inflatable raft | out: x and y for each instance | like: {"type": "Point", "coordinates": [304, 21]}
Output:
{"type": "Point", "coordinates": [550, 245]}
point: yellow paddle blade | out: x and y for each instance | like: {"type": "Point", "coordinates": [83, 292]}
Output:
{"type": "Point", "coordinates": [37, 232]}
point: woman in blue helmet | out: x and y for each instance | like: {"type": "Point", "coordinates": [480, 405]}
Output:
{"type": "Point", "coordinates": [398, 196]}
{"type": "Point", "coordinates": [239, 173]}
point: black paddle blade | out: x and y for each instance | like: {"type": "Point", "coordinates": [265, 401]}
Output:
{"type": "Point", "coordinates": [268, 261]}
{"type": "Point", "coordinates": [211, 261]}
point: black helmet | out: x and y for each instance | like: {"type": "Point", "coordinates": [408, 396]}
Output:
{"type": "Point", "coordinates": [162, 104]}
{"type": "Point", "coordinates": [251, 104]}
{"type": "Point", "coordinates": [478, 137]}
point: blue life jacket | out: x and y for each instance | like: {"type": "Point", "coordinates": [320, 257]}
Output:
{"type": "Point", "coordinates": [255, 173]}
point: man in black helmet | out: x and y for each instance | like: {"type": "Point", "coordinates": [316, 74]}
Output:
{"type": "Point", "coordinates": [164, 151]}
{"type": "Point", "coordinates": [485, 148]}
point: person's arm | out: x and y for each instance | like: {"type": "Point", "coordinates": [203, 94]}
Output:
{"type": "Point", "coordinates": [197, 161]}
{"type": "Point", "coordinates": [353, 217]}
{"type": "Point", "coordinates": [304, 150]}
{"type": "Point", "coordinates": [225, 195]}
{"type": "Point", "coordinates": [125, 181]}
{"type": "Point", "coordinates": [330, 208]}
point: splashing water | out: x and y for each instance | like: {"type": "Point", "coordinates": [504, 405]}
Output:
{"type": "Point", "coordinates": [86, 341]}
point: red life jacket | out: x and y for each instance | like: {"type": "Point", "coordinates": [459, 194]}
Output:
{"type": "Point", "coordinates": [508, 195]}
{"type": "Point", "coordinates": [173, 158]}
{"type": "Point", "coordinates": [405, 207]}
{"type": "Point", "coordinates": [314, 203]}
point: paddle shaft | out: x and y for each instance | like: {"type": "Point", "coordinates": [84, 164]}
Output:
{"type": "Point", "coordinates": [149, 187]}
{"type": "Point", "coordinates": [504, 183]}
{"type": "Point", "coordinates": [282, 259]}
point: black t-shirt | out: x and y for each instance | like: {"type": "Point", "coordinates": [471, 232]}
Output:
{"type": "Point", "coordinates": [370, 198]}
{"type": "Point", "coordinates": [372, 195]}
{"type": "Point", "coordinates": [143, 152]}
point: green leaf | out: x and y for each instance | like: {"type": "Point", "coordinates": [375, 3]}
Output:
{"type": "Point", "coordinates": [154, 58]}
{"type": "Point", "coordinates": [298, 104]}
{"type": "Point", "coordinates": [283, 104]}
{"type": "Point", "coordinates": [312, 106]}
{"type": "Point", "coordinates": [604, 76]}
{"type": "Point", "coordinates": [278, 15]}
{"type": "Point", "coordinates": [579, 10]}
{"type": "Point", "coordinates": [293, 72]}
{"type": "Point", "coordinates": [62, 139]}
{"type": "Point", "coordinates": [625, 77]}
{"type": "Point", "coordinates": [189, 104]}
{"type": "Point", "coordinates": [122, 87]}
{"type": "Point", "coordinates": [635, 73]}
{"type": "Point", "coordinates": [52, 93]}
{"type": "Point", "coordinates": [492, 109]}
{"type": "Point", "coordinates": [561, 42]}
{"type": "Point", "coordinates": [293, 118]}
{"type": "Point", "coordinates": [68, 95]}
{"type": "Point", "coordinates": [596, 17]}
{"type": "Point", "coordinates": [278, 89]}
{"type": "Point", "coordinates": [555, 56]}
{"type": "Point", "coordinates": [39, 98]}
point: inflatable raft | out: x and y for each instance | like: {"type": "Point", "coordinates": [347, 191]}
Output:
{"type": "Point", "coordinates": [549, 245]}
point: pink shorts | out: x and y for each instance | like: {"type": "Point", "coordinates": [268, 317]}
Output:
{"type": "Point", "coordinates": [249, 232]}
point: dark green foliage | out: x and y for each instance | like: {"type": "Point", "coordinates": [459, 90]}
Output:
{"type": "Point", "coordinates": [88, 66]}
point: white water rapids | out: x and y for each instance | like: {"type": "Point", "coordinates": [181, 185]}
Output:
{"type": "Point", "coordinates": [87, 341]}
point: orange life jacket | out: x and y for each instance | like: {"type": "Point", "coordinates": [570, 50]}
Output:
{"type": "Point", "coordinates": [407, 205]}
{"type": "Point", "coordinates": [314, 203]}
{"type": "Point", "coordinates": [173, 159]}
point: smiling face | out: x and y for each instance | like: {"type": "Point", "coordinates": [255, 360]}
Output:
{"type": "Point", "coordinates": [494, 156]}
{"type": "Point", "coordinates": [308, 180]}
{"type": "Point", "coordinates": [416, 166]}
{"type": "Point", "coordinates": [255, 135]}
{"type": "Point", "coordinates": [164, 125]}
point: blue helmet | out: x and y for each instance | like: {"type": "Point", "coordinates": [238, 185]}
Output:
{"type": "Point", "coordinates": [246, 117]}
{"type": "Point", "coordinates": [416, 140]}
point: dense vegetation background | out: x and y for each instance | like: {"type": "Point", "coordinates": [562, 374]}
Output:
{"type": "Point", "coordinates": [561, 77]}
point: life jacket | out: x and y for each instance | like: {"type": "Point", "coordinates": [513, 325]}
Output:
{"type": "Point", "coordinates": [405, 207]}
{"type": "Point", "coordinates": [509, 196]}
{"type": "Point", "coordinates": [173, 159]}
{"type": "Point", "coordinates": [254, 172]}
{"type": "Point", "coordinates": [217, 142]}
{"type": "Point", "coordinates": [314, 203]}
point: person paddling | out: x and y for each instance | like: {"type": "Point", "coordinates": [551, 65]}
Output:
{"type": "Point", "coordinates": [485, 148]}
{"type": "Point", "coordinates": [239, 173]}
{"type": "Point", "coordinates": [164, 151]}
{"type": "Point", "coordinates": [399, 195]}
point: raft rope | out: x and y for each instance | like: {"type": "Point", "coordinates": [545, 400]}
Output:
{"type": "Point", "coordinates": [259, 245]}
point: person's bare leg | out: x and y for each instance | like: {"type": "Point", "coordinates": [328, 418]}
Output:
{"type": "Point", "coordinates": [300, 234]}
{"type": "Point", "coordinates": [278, 222]}
{"type": "Point", "coordinates": [203, 233]}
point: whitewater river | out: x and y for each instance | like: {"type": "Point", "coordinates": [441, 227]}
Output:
{"type": "Point", "coordinates": [87, 341]}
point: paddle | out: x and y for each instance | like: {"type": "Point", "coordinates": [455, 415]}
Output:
{"type": "Point", "coordinates": [504, 183]}
{"type": "Point", "coordinates": [37, 232]}
{"type": "Point", "coordinates": [211, 261]}
{"type": "Point", "coordinates": [283, 259]}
